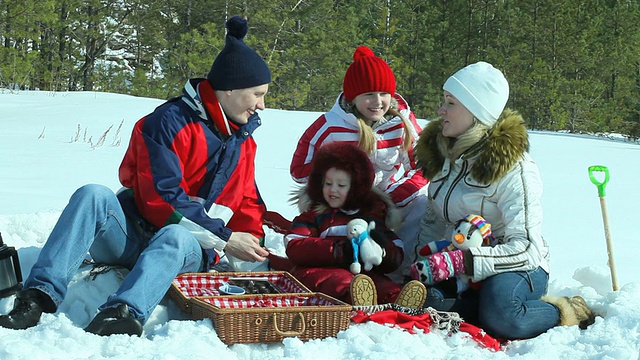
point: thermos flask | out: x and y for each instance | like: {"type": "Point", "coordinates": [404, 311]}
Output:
{"type": "Point", "coordinates": [10, 273]}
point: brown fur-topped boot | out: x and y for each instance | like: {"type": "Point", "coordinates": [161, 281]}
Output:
{"type": "Point", "coordinates": [573, 311]}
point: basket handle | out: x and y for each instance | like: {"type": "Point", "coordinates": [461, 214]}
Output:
{"type": "Point", "coordinates": [289, 333]}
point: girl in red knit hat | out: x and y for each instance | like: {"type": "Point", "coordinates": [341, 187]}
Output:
{"type": "Point", "coordinates": [372, 115]}
{"type": "Point", "coordinates": [340, 190]}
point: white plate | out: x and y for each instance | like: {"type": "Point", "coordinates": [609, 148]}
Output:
{"type": "Point", "coordinates": [231, 289]}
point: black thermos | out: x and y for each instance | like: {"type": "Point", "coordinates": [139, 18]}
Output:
{"type": "Point", "coordinates": [10, 273]}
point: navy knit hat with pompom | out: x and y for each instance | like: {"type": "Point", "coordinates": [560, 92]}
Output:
{"type": "Point", "coordinates": [238, 66]}
{"type": "Point", "coordinates": [349, 158]}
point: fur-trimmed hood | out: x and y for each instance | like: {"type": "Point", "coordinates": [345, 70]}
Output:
{"type": "Point", "coordinates": [349, 158]}
{"type": "Point", "coordinates": [300, 197]}
{"type": "Point", "coordinates": [495, 150]}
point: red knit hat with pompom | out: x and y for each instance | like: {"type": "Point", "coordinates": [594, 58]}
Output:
{"type": "Point", "coordinates": [367, 73]}
{"type": "Point", "coordinates": [349, 158]}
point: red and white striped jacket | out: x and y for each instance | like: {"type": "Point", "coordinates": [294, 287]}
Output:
{"type": "Point", "coordinates": [396, 172]}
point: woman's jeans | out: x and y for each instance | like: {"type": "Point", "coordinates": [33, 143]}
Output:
{"type": "Point", "coordinates": [507, 305]}
{"type": "Point", "coordinates": [94, 222]}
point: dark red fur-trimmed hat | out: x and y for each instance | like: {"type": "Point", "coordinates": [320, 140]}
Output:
{"type": "Point", "coordinates": [349, 158]}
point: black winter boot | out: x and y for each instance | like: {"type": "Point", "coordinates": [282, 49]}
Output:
{"type": "Point", "coordinates": [115, 320]}
{"type": "Point", "coordinates": [27, 309]}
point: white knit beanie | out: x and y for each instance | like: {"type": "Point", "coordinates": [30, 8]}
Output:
{"type": "Point", "coordinates": [482, 89]}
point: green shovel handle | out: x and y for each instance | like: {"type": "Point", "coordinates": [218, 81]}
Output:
{"type": "Point", "coordinates": [600, 185]}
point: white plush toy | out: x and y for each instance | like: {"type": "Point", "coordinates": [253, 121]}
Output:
{"type": "Point", "coordinates": [369, 251]}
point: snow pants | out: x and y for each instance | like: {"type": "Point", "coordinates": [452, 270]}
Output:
{"type": "Point", "coordinates": [335, 282]}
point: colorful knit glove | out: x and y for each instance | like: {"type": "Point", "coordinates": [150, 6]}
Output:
{"type": "Point", "coordinates": [438, 267]}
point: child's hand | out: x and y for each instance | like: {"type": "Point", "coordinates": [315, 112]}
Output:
{"type": "Point", "coordinates": [379, 237]}
{"type": "Point", "coordinates": [343, 252]}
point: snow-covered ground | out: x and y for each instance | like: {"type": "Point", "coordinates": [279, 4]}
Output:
{"type": "Point", "coordinates": [50, 145]}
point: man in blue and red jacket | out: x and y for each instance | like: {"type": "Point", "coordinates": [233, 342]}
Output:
{"type": "Point", "coordinates": [189, 195]}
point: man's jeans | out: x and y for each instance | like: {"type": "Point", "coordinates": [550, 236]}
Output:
{"type": "Point", "coordinates": [94, 222]}
{"type": "Point", "coordinates": [507, 305]}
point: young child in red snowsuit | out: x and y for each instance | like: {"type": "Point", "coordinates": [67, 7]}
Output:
{"type": "Point", "coordinates": [340, 188]}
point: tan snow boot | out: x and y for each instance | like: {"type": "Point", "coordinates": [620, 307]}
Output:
{"type": "Point", "coordinates": [573, 311]}
{"type": "Point", "coordinates": [363, 291]}
{"type": "Point", "coordinates": [412, 295]}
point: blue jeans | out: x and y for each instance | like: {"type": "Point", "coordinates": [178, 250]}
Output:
{"type": "Point", "coordinates": [94, 222]}
{"type": "Point", "coordinates": [510, 305]}
{"type": "Point", "coordinates": [507, 305]}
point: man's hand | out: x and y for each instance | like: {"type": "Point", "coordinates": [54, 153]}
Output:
{"type": "Point", "coordinates": [245, 246]}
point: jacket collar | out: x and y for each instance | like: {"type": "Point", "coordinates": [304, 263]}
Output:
{"type": "Point", "coordinates": [343, 110]}
{"type": "Point", "coordinates": [200, 97]}
{"type": "Point", "coordinates": [494, 151]}
{"type": "Point", "coordinates": [192, 97]}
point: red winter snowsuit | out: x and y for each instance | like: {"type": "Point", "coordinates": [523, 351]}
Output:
{"type": "Point", "coordinates": [315, 237]}
{"type": "Point", "coordinates": [317, 241]}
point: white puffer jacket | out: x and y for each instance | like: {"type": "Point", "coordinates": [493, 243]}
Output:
{"type": "Point", "coordinates": [495, 178]}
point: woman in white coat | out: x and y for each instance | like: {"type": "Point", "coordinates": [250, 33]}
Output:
{"type": "Point", "coordinates": [476, 156]}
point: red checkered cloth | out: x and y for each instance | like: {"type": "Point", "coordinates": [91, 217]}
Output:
{"type": "Point", "coordinates": [191, 285]}
{"type": "Point", "coordinates": [270, 302]}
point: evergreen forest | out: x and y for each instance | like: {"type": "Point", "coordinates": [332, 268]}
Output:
{"type": "Point", "coordinates": [572, 65]}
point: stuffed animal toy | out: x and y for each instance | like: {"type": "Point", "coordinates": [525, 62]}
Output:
{"type": "Point", "coordinates": [363, 245]}
{"type": "Point", "coordinates": [470, 231]}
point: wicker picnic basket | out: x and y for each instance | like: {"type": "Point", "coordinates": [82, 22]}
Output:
{"type": "Point", "coordinates": [192, 285]}
{"type": "Point", "coordinates": [273, 317]}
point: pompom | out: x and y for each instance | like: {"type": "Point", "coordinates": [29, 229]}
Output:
{"type": "Point", "coordinates": [362, 51]}
{"type": "Point", "coordinates": [237, 27]}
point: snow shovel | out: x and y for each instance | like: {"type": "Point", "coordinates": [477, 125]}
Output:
{"type": "Point", "coordinates": [605, 217]}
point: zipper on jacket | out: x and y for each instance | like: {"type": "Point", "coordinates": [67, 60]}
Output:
{"type": "Point", "coordinates": [455, 182]}
{"type": "Point", "coordinates": [442, 181]}
{"type": "Point", "coordinates": [511, 265]}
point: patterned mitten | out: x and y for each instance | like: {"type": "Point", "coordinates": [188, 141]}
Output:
{"type": "Point", "coordinates": [438, 267]}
